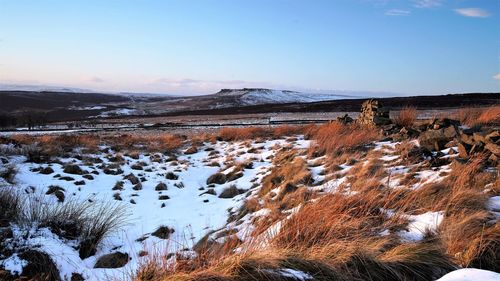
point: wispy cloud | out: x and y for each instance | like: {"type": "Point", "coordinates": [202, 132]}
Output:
{"type": "Point", "coordinates": [427, 3]}
{"type": "Point", "coordinates": [397, 12]}
{"type": "Point", "coordinates": [473, 12]}
{"type": "Point", "coordinates": [497, 77]}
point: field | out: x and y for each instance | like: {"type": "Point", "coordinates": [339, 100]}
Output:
{"type": "Point", "coordinates": [415, 200]}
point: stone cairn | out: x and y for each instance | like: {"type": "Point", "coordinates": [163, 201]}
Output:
{"type": "Point", "coordinates": [374, 114]}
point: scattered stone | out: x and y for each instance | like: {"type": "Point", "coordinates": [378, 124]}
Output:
{"type": "Point", "coordinates": [218, 178]}
{"type": "Point", "coordinates": [117, 196]}
{"type": "Point", "coordinates": [345, 119]}
{"type": "Point", "coordinates": [73, 169]}
{"type": "Point", "coordinates": [89, 177]}
{"type": "Point", "coordinates": [132, 201]}
{"type": "Point", "coordinates": [66, 178]}
{"type": "Point", "coordinates": [82, 182]}
{"type": "Point", "coordinates": [191, 150]}
{"type": "Point", "coordinates": [436, 139]}
{"type": "Point", "coordinates": [171, 176]}
{"type": "Point", "coordinates": [77, 277]}
{"type": "Point", "coordinates": [161, 186]}
{"type": "Point", "coordinates": [46, 171]}
{"type": "Point", "coordinates": [136, 167]}
{"type": "Point", "coordinates": [118, 185]}
{"type": "Point", "coordinates": [231, 192]}
{"type": "Point", "coordinates": [114, 260]}
{"type": "Point", "coordinates": [138, 186]}
{"type": "Point", "coordinates": [132, 178]}
{"type": "Point", "coordinates": [234, 176]}
{"type": "Point", "coordinates": [163, 197]}
{"type": "Point", "coordinates": [163, 232]}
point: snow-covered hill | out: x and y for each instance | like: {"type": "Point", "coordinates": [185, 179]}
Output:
{"type": "Point", "coordinates": [256, 96]}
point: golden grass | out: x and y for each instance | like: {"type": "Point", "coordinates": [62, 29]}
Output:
{"type": "Point", "coordinates": [336, 138]}
{"type": "Point", "coordinates": [406, 117]}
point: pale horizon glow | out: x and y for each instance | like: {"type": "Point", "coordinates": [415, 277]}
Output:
{"type": "Point", "coordinates": [200, 46]}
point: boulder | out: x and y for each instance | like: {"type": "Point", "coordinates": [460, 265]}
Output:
{"type": "Point", "coordinates": [436, 139]}
{"type": "Point", "coordinates": [114, 260]}
{"type": "Point", "coordinates": [161, 186]}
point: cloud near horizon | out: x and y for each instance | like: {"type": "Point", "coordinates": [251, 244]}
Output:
{"type": "Point", "coordinates": [473, 12]}
{"type": "Point", "coordinates": [497, 77]}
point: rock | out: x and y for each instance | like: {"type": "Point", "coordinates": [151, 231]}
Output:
{"type": "Point", "coordinates": [67, 178]}
{"type": "Point", "coordinates": [82, 182]}
{"type": "Point", "coordinates": [138, 186]}
{"type": "Point", "coordinates": [89, 177]}
{"type": "Point", "coordinates": [39, 266]}
{"type": "Point", "coordinates": [493, 137]}
{"type": "Point", "coordinates": [46, 171]}
{"type": "Point", "coordinates": [373, 114]}
{"type": "Point", "coordinates": [77, 277]}
{"type": "Point", "coordinates": [118, 185]}
{"type": "Point", "coordinates": [436, 139]}
{"type": "Point", "coordinates": [463, 150]}
{"type": "Point", "coordinates": [171, 176]}
{"type": "Point", "coordinates": [161, 186]}
{"type": "Point", "coordinates": [136, 167]}
{"type": "Point", "coordinates": [191, 150]}
{"type": "Point", "coordinates": [465, 138]}
{"type": "Point", "coordinates": [132, 178]}
{"type": "Point", "coordinates": [231, 192]}
{"type": "Point", "coordinates": [218, 178]}
{"type": "Point", "coordinates": [163, 232]}
{"type": "Point", "coordinates": [114, 260]}
{"type": "Point", "coordinates": [163, 197]}
{"type": "Point", "coordinates": [345, 119]}
{"type": "Point", "coordinates": [494, 148]}
{"type": "Point", "coordinates": [234, 176]}
{"type": "Point", "coordinates": [60, 196]}
{"type": "Point", "coordinates": [73, 169]}
{"type": "Point", "coordinates": [479, 136]}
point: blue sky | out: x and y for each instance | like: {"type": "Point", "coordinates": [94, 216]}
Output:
{"type": "Point", "coordinates": [189, 47]}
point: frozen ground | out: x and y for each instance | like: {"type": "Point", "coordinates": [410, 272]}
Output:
{"type": "Point", "coordinates": [188, 204]}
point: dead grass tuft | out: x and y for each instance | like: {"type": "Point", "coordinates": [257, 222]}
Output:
{"type": "Point", "coordinates": [406, 117]}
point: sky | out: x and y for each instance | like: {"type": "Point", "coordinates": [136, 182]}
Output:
{"type": "Point", "coordinates": [200, 46]}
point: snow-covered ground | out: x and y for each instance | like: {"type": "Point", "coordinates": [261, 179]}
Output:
{"type": "Point", "coordinates": [187, 203]}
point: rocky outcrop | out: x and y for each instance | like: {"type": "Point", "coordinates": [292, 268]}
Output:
{"type": "Point", "coordinates": [373, 113]}
{"type": "Point", "coordinates": [438, 133]}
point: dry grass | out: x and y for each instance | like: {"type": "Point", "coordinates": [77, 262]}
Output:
{"type": "Point", "coordinates": [249, 133]}
{"type": "Point", "coordinates": [335, 138]}
{"type": "Point", "coordinates": [406, 117]}
{"type": "Point", "coordinates": [478, 116]}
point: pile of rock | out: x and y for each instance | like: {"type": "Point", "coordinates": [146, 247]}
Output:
{"type": "Point", "coordinates": [473, 141]}
{"type": "Point", "coordinates": [437, 134]}
{"type": "Point", "coordinates": [374, 114]}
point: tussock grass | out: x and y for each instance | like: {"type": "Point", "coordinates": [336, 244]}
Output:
{"type": "Point", "coordinates": [406, 117]}
{"type": "Point", "coordinates": [87, 221]}
{"type": "Point", "coordinates": [335, 138]}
